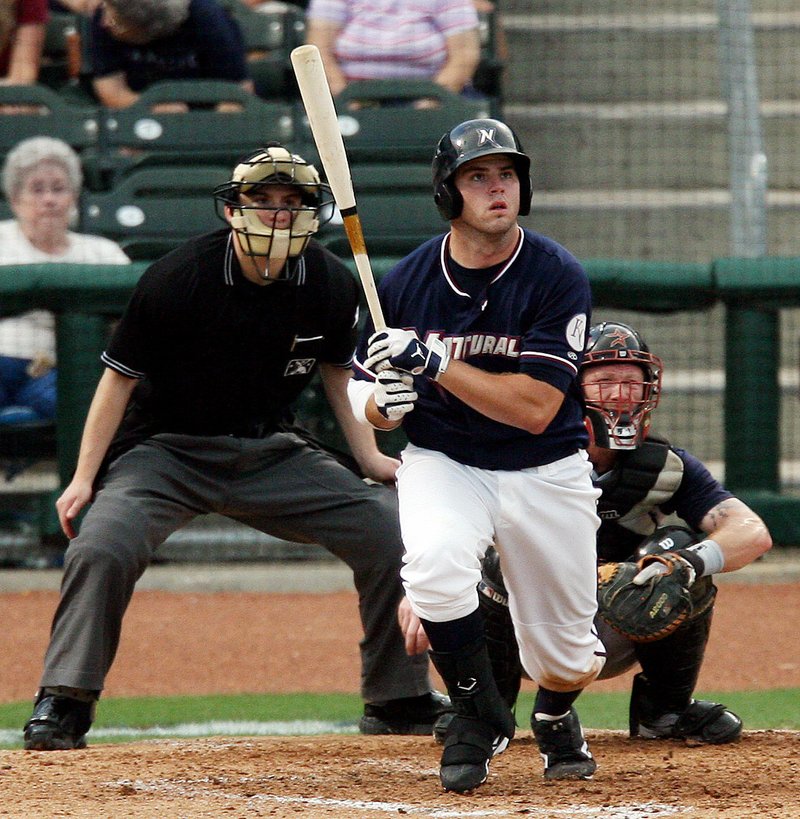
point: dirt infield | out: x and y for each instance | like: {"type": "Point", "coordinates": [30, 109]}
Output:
{"type": "Point", "coordinates": [249, 642]}
{"type": "Point", "coordinates": [353, 776]}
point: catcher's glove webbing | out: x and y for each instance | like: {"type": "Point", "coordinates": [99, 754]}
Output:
{"type": "Point", "coordinates": [645, 611]}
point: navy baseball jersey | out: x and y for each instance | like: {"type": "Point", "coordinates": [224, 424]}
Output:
{"type": "Point", "coordinates": [529, 315]}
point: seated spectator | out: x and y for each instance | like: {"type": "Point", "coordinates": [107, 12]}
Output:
{"type": "Point", "coordinates": [136, 44]}
{"type": "Point", "coordinates": [378, 39]}
{"type": "Point", "coordinates": [42, 182]}
{"type": "Point", "coordinates": [22, 33]}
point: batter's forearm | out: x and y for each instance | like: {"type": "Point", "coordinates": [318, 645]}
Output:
{"type": "Point", "coordinates": [510, 398]}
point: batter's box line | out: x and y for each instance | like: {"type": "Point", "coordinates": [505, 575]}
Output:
{"type": "Point", "coordinates": [642, 810]}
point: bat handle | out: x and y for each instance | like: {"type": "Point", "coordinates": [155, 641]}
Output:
{"type": "Point", "coordinates": [355, 236]}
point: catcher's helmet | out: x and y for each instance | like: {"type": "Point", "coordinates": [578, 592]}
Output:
{"type": "Point", "coordinates": [274, 165]}
{"type": "Point", "coordinates": [616, 418]}
{"type": "Point", "coordinates": [469, 140]}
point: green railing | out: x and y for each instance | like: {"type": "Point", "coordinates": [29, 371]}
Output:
{"type": "Point", "coordinates": [752, 291]}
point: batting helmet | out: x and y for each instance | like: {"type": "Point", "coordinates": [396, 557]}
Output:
{"type": "Point", "coordinates": [275, 165]}
{"type": "Point", "coordinates": [617, 418]}
{"type": "Point", "coordinates": [469, 140]}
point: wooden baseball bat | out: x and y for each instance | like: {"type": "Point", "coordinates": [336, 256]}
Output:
{"type": "Point", "coordinates": [318, 102]}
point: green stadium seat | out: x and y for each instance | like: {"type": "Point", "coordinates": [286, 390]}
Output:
{"type": "Point", "coordinates": [396, 208]}
{"type": "Point", "coordinates": [61, 33]}
{"type": "Point", "coordinates": [387, 127]}
{"type": "Point", "coordinates": [202, 133]}
{"type": "Point", "coordinates": [270, 33]}
{"type": "Point", "coordinates": [36, 110]}
{"type": "Point", "coordinates": [151, 210]}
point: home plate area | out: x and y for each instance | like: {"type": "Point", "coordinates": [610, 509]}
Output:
{"type": "Point", "coordinates": [357, 776]}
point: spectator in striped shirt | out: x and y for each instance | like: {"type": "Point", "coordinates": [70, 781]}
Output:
{"type": "Point", "coordinates": [396, 39]}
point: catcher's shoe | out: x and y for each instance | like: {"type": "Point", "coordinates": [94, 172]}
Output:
{"type": "Point", "coordinates": [58, 724]}
{"type": "Point", "coordinates": [410, 715]}
{"type": "Point", "coordinates": [563, 747]}
{"type": "Point", "coordinates": [469, 744]}
{"type": "Point", "coordinates": [703, 721]}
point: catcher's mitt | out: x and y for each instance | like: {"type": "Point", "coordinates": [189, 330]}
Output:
{"type": "Point", "coordinates": [645, 611]}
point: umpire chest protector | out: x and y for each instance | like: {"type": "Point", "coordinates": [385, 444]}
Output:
{"type": "Point", "coordinates": [639, 482]}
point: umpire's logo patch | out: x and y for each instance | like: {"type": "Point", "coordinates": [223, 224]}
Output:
{"type": "Point", "coordinates": [300, 366]}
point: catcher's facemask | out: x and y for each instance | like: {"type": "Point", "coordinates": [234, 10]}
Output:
{"type": "Point", "coordinates": [618, 406]}
{"type": "Point", "coordinates": [619, 411]}
{"type": "Point", "coordinates": [271, 226]}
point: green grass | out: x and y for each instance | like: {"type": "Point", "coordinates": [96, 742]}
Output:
{"type": "Point", "coordinates": [758, 709]}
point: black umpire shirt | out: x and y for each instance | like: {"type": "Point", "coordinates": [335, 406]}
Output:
{"type": "Point", "coordinates": [219, 355]}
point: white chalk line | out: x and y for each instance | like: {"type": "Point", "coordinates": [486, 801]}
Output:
{"type": "Point", "coordinates": [191, 730]}
{"type": "Point", "coordinates": [203, 788]}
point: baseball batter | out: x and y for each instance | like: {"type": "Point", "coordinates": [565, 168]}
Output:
{"type": "Point", "coordinates": [488, 326]}
{"type": "Point", "coordinates": [192, 416]}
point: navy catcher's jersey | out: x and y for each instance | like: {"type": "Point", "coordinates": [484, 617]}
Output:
{"type": "Point", "coordinates": [531, 317]}
{"type": "Point", "coordinates": [698, 493]}
{"type": "Point", "coordinates": [694, 493]}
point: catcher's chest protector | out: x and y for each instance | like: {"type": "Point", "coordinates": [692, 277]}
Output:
{"type": "Point", "coordinates": [640, 480]}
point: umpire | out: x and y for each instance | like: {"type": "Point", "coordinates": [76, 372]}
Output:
{"type": "Point", "coordinates": [191, 416]}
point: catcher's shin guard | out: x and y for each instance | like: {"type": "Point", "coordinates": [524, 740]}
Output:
{"type": "Point", "coordinates": [661, 704]}
{"type": "Point", "coordinates": [483, 723]}
{"type": "Point", "coordinates": [671, 667]}
{"type": "Point", "coordinates": [500, 638]}
{"type": "Point", "coordinates": [701, 721]}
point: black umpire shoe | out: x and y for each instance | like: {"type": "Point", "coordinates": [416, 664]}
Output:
{"type": "Point", "coordinates": [58, 724]}
{"type": "Point", "coordinates": [409, 715]}
{"type": "Point", "coordinates": [563, 747]}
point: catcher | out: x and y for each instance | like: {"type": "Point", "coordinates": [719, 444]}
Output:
{"type": "Point", "coordinates": [655, 587]}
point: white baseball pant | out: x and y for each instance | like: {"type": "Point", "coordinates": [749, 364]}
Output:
{"type": "Point", "coordinates": [543, 523]}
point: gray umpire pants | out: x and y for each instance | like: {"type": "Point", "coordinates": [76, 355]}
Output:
{"type": "Point", "coordinates": [277, 485]}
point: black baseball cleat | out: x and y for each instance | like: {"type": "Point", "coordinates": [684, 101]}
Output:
{"type": "Point", "coordinates": [469, 745]}
{"type": "Point", "coordinates": [414, 716]}
{"type": "Point", "coordinates": [58, 724]}
{"type": "Point", "coordinates": [703, 722]}
{"type": "Point", "coordinates": [563, 747]}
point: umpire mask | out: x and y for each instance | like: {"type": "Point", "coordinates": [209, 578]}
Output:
{"type": "Point", "coordinates": [274, 165]}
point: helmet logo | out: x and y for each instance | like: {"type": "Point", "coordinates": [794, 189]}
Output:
{"type": "Point", "coordinates": [487, 135]}
{"type": "Point", "coordinates": [618, 338]}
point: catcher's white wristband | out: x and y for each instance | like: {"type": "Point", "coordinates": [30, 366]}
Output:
{"type": "Point", "coordinates": [710, 552]}
{"type": "Point", "coordinates": [359, 393]}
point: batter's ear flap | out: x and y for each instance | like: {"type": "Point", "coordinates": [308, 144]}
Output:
{"type": "Point", "coordinates": [448, 200]}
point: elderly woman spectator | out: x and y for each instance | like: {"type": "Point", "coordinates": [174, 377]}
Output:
{"type": "Point", "coordinates": [384, 39]}
{"type": "Point", "coordinates": [134, 44]}
{"type": "Point", "coordinates": [42, 182]}
{"type": "Point", "coordinates": [22, 33]}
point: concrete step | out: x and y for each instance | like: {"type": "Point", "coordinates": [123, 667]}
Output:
{"type": "Point", "coordinates": [596, 7]}
{"type": "Point", "coordinates": [639, 57]}
{"type": "Point", "coordinates": [647, 144]}
{"type": "Point", "coordinates": [682, 225]}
